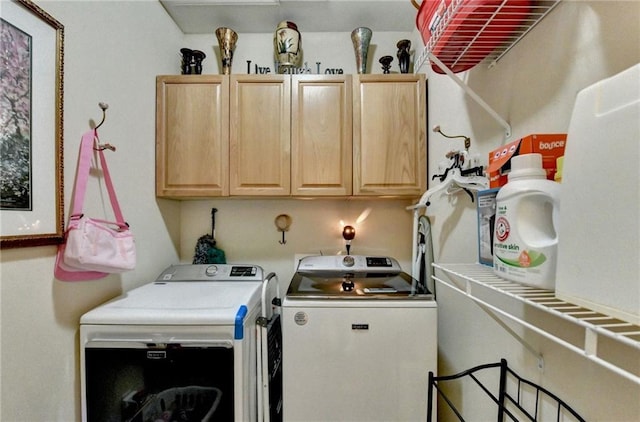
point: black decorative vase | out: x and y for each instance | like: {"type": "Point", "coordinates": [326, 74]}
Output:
{"type": "Point", "coordinates": [404, 55]}
{"type": "Point", "coordinates": [192, 61]}
{"type": "Point", "coordinates": [187, 57]}
{"type": "Point", "coordinates": [385, 61]}
{"type": "Point", "coordinates": [198, 57]}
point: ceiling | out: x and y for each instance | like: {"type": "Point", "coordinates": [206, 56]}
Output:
{"type": "Point", "coordinates": [262, 16]}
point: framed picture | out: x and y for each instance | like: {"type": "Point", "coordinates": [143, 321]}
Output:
{"type": "Point", "coordinates": [31, 105]}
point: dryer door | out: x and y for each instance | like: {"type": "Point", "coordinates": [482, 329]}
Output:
{"type": "Point", "coordinates": [140, 382]}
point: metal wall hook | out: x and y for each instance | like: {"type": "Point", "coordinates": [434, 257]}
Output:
{"type": "Point", "coordinates": [104, 107]}
{"type": "Point", "coordinates": [283, 222]}
{"type": "Point", "coordinates": [467, 140]}
{"type": "Point", "coordinates": [102, 147]}
{"type": "Point", "coordinates": [99, 146]}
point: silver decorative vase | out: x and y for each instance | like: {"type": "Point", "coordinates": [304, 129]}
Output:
{"type": "Point", "coordinates": [361, 37]}
{"type": "Point", "coordinates": [227, 39]}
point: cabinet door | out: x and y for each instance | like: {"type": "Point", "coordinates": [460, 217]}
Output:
{"type": "Point", "coordinates": [389, 134]}
{"type": "Point", "coordinates": [192, 136]}
{"type": "Point", "coordinates": [321, 135]}
{"type": "Point", "coordinates": [259, 151]}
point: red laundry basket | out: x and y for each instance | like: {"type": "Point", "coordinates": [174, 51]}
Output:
{"type": "Point", "coordinates": [475, 29]}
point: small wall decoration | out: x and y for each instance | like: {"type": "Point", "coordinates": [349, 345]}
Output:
{"type": "Point", "coordinates": [283, 223]}
{"type": "Point", "coordinates": [305, 69]}
{"type": "Point", "coordinates": [31, 178]}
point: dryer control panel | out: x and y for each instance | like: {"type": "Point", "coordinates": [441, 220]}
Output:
{"type": "Point", "coordinates": [211, 272]}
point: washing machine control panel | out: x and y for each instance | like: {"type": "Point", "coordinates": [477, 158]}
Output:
{"type": "Point", "coordinates": [349, 262]}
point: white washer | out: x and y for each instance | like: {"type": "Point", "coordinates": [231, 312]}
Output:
{"type": "Point", "coordinates": [359, 339]}
{"type": "Point", "coordinates": [184, 343]}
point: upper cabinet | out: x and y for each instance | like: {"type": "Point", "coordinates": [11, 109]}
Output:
{"type": "Point", "coordinates": [321, 136]}
{"type": "Point", "coordinates": [192, 136]}
{"type": "Point", "coordinates": [389, 135]}
{"type": "Point", "coordinates": [259, 144]}
{"type": "Point", "coordinates": [301, 135]}
{"type": "Point", "coordinates": [290, 135]}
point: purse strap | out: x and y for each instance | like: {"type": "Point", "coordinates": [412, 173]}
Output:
{"type": "Point", "coordinates": [82, 178]}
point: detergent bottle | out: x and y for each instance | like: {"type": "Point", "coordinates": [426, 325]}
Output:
{"type": "Point", "coordinates": [525, 238]}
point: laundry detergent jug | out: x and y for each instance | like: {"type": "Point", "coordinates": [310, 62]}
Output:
{"type": "Point", "coordinates": [525, 239]}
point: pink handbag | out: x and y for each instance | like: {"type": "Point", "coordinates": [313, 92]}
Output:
{"type": "Point", "coordinates": [94, 248]}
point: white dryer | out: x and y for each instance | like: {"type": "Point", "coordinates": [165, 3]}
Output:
{"type": "Point", "coordinates": [359, 339]}
{"type": "Point", "coordinates": [183, 347]}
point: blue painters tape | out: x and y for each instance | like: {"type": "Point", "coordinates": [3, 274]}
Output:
{"type": "Point", "coordinates": [239, 332]}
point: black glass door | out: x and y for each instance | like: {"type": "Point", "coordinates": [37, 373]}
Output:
{"type": "Point", "coordinates": [169, 383]}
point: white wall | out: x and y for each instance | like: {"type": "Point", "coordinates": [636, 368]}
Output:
{"type": "Point", "coordinates": [246, 231]}
{"type": "Point", "coordinates": [534, 88]}
{"type": "Point", "coordinates": [113, 52]}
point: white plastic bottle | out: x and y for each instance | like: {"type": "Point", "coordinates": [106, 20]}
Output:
{"type": "Point", "coordinates": [525, 240]}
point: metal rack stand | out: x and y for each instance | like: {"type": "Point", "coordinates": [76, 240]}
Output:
{"type": "Point", "coordinates": [520, 399]}
{"type": "Point", "coordinates": [538, 11]}
{"type": "Point", "coordinates": [467, 278]}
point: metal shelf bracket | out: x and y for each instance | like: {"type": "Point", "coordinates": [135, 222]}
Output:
{"type": "Point", "coordinates": [455, 8]}
{"type": "Point", "coordinates": [470, 92]}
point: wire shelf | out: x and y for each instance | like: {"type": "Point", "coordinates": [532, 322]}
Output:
{"type": "Point", "coordinates": [466, 277]}
{"type": "Point", "coordinates": [486, 34]}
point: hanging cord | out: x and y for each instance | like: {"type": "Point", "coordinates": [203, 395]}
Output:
{"type": "Point", "coordinates": [425, 252]}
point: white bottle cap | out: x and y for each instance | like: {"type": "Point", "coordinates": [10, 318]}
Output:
{"type": "Point", "coordinates": [527, 166]}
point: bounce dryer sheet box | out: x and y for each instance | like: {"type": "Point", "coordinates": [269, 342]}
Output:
{"type": "Point", "coordinates": [486, 222]}
{"type": "Point", "coordinates": [550, 146]}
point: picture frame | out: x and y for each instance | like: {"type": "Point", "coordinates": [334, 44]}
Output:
{"type": "Point", "coordinates": [31, 133]}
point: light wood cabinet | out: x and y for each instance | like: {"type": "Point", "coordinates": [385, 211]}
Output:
{"type": "Point", "coordinates": [389, 135]}
{"type": "Point", "coordinates": [290, 135]}
{"type": "Point", "coordinates": [321, 135]}
{"type": "Point", "coordinates": [259, 143]}
{"type": "Point", "coordinates": [192, 136]}
{"type": "Point", "coordinates": [281, 135]}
